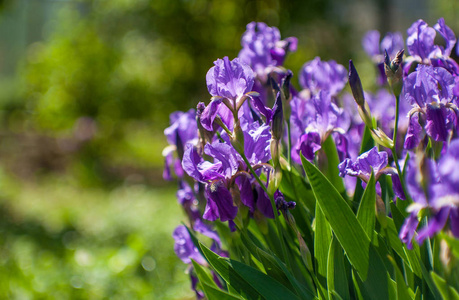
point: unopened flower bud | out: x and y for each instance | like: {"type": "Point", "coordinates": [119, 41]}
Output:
{"type": "Point", "coordinates": [275, 152]}
{"type": "Point", "coordinates": [286, 84]}
{"type": "Point", "coordinates": [287, 95]}
{"type": "Point", "coordinates": [356, 85]}
{"type": "Point", "coordinates": [381, 138]}
{"type": "Point", "coordinates": [275, 180]}
{"type": "Point", "coordinates": [278, 119]}
{"type": "Point", "coordinates": [394, 72]}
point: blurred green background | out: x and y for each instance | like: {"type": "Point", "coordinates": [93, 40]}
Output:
{"type": "Point", "coordinates": [86, 88]}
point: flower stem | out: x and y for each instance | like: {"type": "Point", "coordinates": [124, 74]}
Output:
{"type": "Point", "coordinates": [394, 147]}
{"type": "Point", "coordinates": [289, 154]}
{"type": "Point", "coordinates": [273, 205]}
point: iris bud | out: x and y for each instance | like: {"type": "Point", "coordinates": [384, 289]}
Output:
{"type": "Point", "coordinates": [356, 85]}
{"type": "Point", "coordinates": [357, 92]}
{"type": "Point", "coordinates": [393, 71]}
{"type": "Point", "coordinates": [278, 119]}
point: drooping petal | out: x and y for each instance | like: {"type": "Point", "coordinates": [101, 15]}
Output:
{"type": "Point", "coordinates": [184, 193]}
{"type": "Point", "coordinates": [436, 122]}
{"type": "Point", "coordinates": [397, 186]}
{"type": "Point", "coordinates": [261, 108]}
{"type": "Point", "coordinates": [263, 203]}
{"type": "Point", "coordinates": [414, 132]}
{"type": "Point", "coordinates": [219, 203]}
{"type": "Point", "coordinates": [447, 34]}
{"type": "Point", "coordinates": [396, 183]}
{"type": "Point", "coordinates": [408, 230]}
{"type": "Point", "coordinates": [210, 113]}
{"type": "Point", "coordinates": [434, 225]}
{"type": "Point", "coordinates": [183, 126]}
{"type": "Point", "coordinates": [197, 168]}
{"type": "Point", "coordinates": [246, 192]}
{"type": "Point", "coordinates": [184, 247]}
{"type": "Point", "coordinates": [224, 154]}
{"type": "Point", "coordinates": [168, 161]}
{"type": "Point", "coordinates": [342, 144]}
{"type": "Point", "coordinates": [205, 229]}
{"type": "Point", "coordinates": [257, 142]}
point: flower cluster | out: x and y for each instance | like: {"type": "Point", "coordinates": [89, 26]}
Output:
{"type": "Point", "coordinates": [242, 158]}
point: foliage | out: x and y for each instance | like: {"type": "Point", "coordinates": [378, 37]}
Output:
{"type": "Point", "coordinates": [59, 241]}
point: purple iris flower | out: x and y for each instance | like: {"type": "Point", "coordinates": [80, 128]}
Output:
{"type": "Point", "coordinates": [184, 247]}
{"type": "Point", "coordinates": [430, 92]}
{"type": "Point", "coordinates": [228, 171]}
{"type": "Point", "coordinates": [368, 161]}
{"type": "Point", "coordinates": [183, 130]}
{"type": "Point", "coordinates": [440, 199]}
{"type": "Point", "coordinates": [421, 46]}
{"type": "Point", "coordinates": [317, 75]}
{"type": "Point", "coordinates": [263, 49]}
{"type": "Point", "coordinates": [228, 82]}
{"type": "Point", "coordinates": [313, 121]}
{"type": "Point", "coordinates": [392, 43]}
{"type": "Point", "coordinates": [186, 250]}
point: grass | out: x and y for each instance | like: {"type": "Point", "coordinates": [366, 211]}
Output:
{"type": "Point", "coordinates": [59, 241]}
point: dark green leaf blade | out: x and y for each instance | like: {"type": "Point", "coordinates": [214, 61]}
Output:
{"type": "Point", "coordinates": [247, 281]}
{"type": "Point", "coordinates": [342, 220]}
{"type": "Point", "coordinates": [213, 292]}
{"type": "Point", "coordinates": [336, 274]}
{"type": "Point", "coordinates": [366, 213]}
